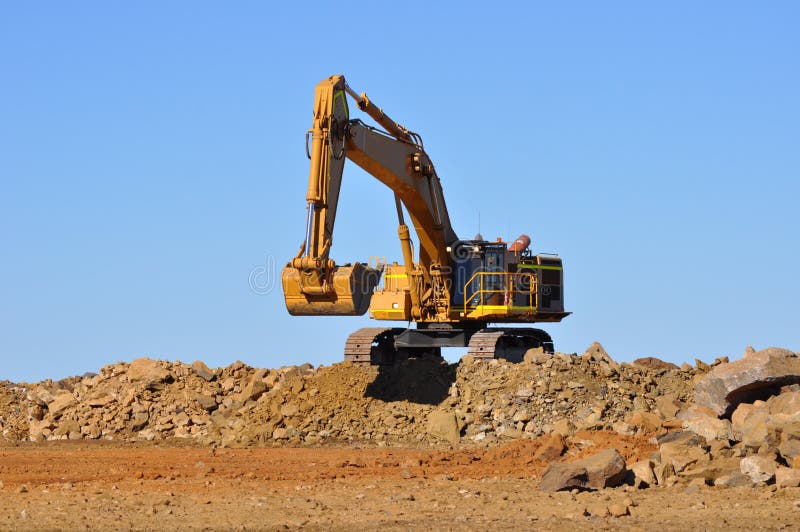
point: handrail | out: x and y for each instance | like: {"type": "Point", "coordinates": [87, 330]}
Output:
{"type": "Point", "coordinates": [508, 288]}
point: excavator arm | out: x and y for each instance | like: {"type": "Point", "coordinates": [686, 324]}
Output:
{"type": "Point", "coordinates": [313, 284]}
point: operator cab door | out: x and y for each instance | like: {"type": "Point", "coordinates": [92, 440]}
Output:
{"type": "Point", "coordinates": [494, 266]}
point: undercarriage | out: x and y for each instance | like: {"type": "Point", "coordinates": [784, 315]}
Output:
{"type": "Point", "coordinates": [386, 346]}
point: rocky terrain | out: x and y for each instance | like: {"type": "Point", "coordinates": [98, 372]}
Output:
{"type": "Point", "coordinates": [417, 402]}
{"type": "Point", "coordinates": [574, 423]}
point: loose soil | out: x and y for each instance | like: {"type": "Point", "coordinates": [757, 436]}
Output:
{"type": "Point", "coordinates": [94, 485]}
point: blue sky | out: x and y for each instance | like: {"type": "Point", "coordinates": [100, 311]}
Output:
{"type": "Point", "coordinates": [151, 159]}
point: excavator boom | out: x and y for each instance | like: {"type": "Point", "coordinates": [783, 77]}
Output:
{"type": "Point", "coordinates": [313, 283]}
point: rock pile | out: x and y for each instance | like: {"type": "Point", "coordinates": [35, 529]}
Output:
{"type": "Point", "coordinates": [722, 423]}
{"type": "Point", "coordinates": [146, 399]}
{"type": "Point", "coordinates": [742, 430]}
{"type": "Point", "coordinates": [474, 401]}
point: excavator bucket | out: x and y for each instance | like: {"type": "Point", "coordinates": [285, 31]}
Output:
{"type": "Point", "coordinates": [346, 291]}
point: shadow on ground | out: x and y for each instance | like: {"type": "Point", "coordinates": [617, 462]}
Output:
{"type": "Point", "coordinates": [421, 381]}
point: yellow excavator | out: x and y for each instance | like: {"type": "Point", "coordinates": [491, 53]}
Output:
{"type": "Point", "coordinates": [454, 289]}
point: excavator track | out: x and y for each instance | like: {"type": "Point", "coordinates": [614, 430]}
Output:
{"type": "Point", "coordinates": [510, 343]}
{"type": "Point", "coordinates": [371, 345]}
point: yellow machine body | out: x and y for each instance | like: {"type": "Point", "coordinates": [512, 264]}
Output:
{"type": "Point", "coordinates": [450, 288]}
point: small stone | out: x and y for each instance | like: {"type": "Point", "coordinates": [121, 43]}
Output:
{"type": "Point", "coordinates": [101, 401]}
{"type": "Point", "coordinates": [253, 390]}
{"type": "Point", "coordinates": [620, 427]}
{"type": "Point", "coordinates": [22, 488]}
{"type": "Point", "coordinates": [643, 470]}
{"type": "Point", "coordinates": [598, 510]}
{"type": "Point", "coordinates": [412, 462]}
{"type": "Point", "coordinates": [206, 402]}
{"type": "Point", "coordinates": [705, 423]}
{"type": "Point", "coordinates": [146, 434]}
{"type": "Point", "coordinates": [654, 363]}
{"type": "Point", "coordinates": [536, 355]}
{"type": "Point", "coordinates": [551, 448]}
{"type": "Point", "coordinates": [564, 427]}
{"type": "Point", "coordinates": [786, 477]}
{"type": "Point", "coordinates": [668, 406]}
{"type": "Point", "coordinates": [758, 468]}
{"type": "Point", "coordinates": [618, 510]}
{"type": "Point", "coordinates": [702, 366]}
{"type": "Point", "coordinates": [645, 421]}
{"type": "Point", "coordinates": [202, 370]}
{"type": "Point", "coordinates": [733, 480]}
{"type": "Point", "coordinates": [628, 501]}
{"type": "Point", "coordinates": [681, 455]}
{"type": "Point", "coordinates": [444, 425]}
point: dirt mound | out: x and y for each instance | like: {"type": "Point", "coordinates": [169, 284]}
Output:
{"type": "Point", "coordinates": [418, 401]}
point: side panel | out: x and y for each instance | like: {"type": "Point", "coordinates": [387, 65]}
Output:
{"type": "Point", "coordinates": [393, 302]}
{"type": "Point", "coordinates": [551, 284]}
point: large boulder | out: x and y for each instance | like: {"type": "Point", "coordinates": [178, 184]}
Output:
{"type": "Point", "coordinates": [558, 477]}
{"type": "Point", "coordinates": [605, 469]}
{"type": "Point", "coordinates": [756, 376]}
